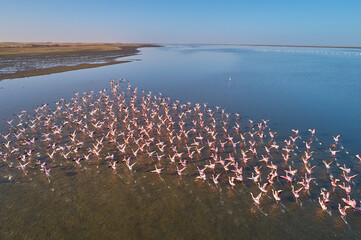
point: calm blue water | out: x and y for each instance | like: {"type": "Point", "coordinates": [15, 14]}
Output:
{"type": "Point", "coordinates": [297, 88]}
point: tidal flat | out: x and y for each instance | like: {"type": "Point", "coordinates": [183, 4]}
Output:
{"type": "Point", "coordinates": [18, 60]}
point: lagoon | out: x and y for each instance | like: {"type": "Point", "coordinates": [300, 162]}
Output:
{"type": "Point", "coordinates": [295, 88]}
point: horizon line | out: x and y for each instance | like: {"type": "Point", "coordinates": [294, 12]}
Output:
{"type": "Point", "coordinates": [231, 44]}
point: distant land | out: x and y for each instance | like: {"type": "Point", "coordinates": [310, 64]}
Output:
{"type": "Point", "coordinates": [20, 59]}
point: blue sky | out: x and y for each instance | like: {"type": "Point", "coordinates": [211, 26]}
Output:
{"type": "Point", "coordinates": [255, 22]}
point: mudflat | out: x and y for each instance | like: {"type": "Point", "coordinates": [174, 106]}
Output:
{"type": "Point", "coordinates": [33, 59]}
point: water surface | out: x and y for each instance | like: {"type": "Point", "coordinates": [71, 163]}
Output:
{"type": "Point", "coordinates": [293, 87]}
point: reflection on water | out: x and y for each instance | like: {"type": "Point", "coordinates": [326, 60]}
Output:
{"type": "Point", "coordinates": [85, 170]}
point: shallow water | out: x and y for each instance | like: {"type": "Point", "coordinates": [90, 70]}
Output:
{"type": "Point", "coordinates": [94, 203]}
{"type": "Point", "coordinates": [293, 87]}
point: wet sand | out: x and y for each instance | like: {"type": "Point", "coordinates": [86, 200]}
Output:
{"type": "Point", "coordinates": [29, 58]}
{"type": "Point", "coordinates": [46, 71]}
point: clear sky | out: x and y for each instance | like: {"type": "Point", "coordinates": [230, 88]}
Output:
{"type": "Point", "coordinates": [307, 22]}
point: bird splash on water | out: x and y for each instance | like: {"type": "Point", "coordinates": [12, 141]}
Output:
{"type": "Point", "coordinates": [120, 128]}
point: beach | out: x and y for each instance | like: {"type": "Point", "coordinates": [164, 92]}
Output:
{"type": "Point", "coordinates": [18, 60]}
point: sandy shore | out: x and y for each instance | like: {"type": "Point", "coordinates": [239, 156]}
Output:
{"type": "Point", "coordinates": [32, 59]}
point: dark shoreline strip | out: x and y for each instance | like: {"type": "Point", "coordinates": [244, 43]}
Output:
{"type": "Point", "coordinates": [46, 71]}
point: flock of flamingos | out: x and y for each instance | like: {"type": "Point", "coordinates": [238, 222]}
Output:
{"type": "Point", "coordinates": [122, 128]}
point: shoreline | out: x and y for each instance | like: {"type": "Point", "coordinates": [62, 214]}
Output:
{"type": "Point", "coordinates": [70, 56]}
{"type": "Point", "coordinates": [65, 57]}
{"type": "Point", "coordinates": [47, 71]}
